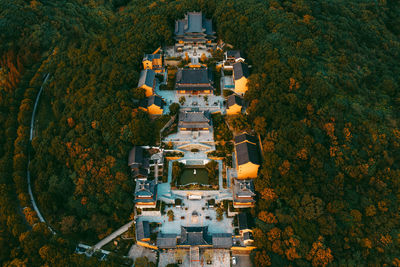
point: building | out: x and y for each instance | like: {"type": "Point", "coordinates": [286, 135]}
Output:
{"type": "Point", "coordinates": [147, 81]}
{"type": "Point", "coordinates": [153, 62]}
{"type": "Point", "coordinates": [194, 81]}
{"type": "Point", "coordinates": [154, 105]}
{"type": "Point", "coordinates": [243, 194]}
{"type": "Point", "coordinates": [234, 104]}
{"type": "Point", "coordinates": [194, 30]}
{"type": "Point", "coordinates": [244, 229]}
{"type": "Point", "coordinates": [145, 194]}
{"type": "Point", "coordinates": [194, 121]}
{"type": "Point", "coordinates": [194, 236]}
{"type": "Point", "coordinates": [240, 77]}
{"type": "Point", "coordinates": [142, 231]}
{"type": "Point", "coordinates": [137, 163]}
{"type": "Point", "coordinates": [231, 57]}
{"type": "Point", "coordinates": [247, 156]}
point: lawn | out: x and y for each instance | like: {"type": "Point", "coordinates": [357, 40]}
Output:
{"type": "Point", "coordinates": [187, 177]}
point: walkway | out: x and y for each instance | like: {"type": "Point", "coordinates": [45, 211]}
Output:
{"type": "Point", "coordinates": [28, 175]}
{"type": "Point", "coordinates": [109, 238]}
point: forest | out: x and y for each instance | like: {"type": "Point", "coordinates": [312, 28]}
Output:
{"type": "Point", "coordinates": [323, 96]}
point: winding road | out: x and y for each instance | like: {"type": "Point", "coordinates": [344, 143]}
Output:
{"type": "Point", "coordinates": [28, 175]}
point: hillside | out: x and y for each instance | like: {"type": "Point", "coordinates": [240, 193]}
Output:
{"type": "Point", "coordinates": [324, 97]}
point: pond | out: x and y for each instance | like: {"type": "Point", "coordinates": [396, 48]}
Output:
{"type": "Point", "coordinates": [197, 175]}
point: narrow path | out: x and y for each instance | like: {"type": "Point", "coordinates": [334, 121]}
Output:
{"type": "Point", "coordinates": [109, 238]}
{"type": "Point", "coordinates": [28, 175]}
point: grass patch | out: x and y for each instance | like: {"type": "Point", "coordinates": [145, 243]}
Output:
{"type": "Point", "coordinates": [188, 176]}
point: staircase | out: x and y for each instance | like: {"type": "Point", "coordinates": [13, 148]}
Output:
{"type": "Point", "coordinates": [194, 256]}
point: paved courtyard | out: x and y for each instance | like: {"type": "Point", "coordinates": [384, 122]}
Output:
{"type": "Point", "coordinates": [192, 213]}
{"type": "Point", "coordinates": [137, 251]}
{"type": "Point", "coordinates": [220, 258]}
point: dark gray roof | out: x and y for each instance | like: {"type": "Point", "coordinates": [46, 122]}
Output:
{"type": "Point", "coordinates": [234, 99]}
{"type": "Point", "coordinates": [193, 116]}
{"type": "Point", "coordinates": [135, 156]}
{"type": "Point", "coordinates": [240, 70]}
{"type": "Point", "coordinates": [194, 236]}
{"type": "Point", "coordinates": [193, 76]}
{"type": "Point", "coordinates": [146, 77]}
{"type": "Point", "coordinates": [234, 53]}
{"type": "Point", "coordinates": [222, 240]}
{"type": "Point", "coordinates": [151, 56]}
{"type": "Point", "coordinates": [154, 99]}
{"type": "Point", "coordinates": [166, 240]}
{"type": "Point", "coordinates": [247, 152]}
{"type": "Point", "coordinates": [245, 137]}
{"type": "Point", "coordinates": [243, 188]}
{"type": "Point", "coordinates": [142, 230]}
{"type": "Point", "coordinates": [194, 23]}
{"type": "Point", "coordinates": [247, 236]}
{"type": "Point", "coordinates": [145, 189]}
{"type": "Point", "coordinates": [193, 119]}
{"type": "Point", "coordinates": [242, 220]}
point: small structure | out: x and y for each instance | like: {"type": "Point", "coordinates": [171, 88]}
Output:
{"type": "Point", "coordinates": [240, 77]}
{"type": "Point", "coordinates": [222, 240]}
{"type": "Point", "coordinates": [195, 236]}
{"type": "Point", "coordinates": [153, 62]}
{"type": "Point", "coordinates": [194, 30]}
{"type": "Point", "coordinates": [145, 194]}
{"type": "Point", "coordinates": [234, 104]}
{"type": "Point", "coordinates": [231, 57]}
{"type": "Point", "coordinates": [244, 230]}
{"type": "Point", "coordinates": [166, 241]}
{"type": "Point", "coordinates": [137, 163]}
{"type": "Point", "coordinates": [243, 194]}
{"type": "Point", "coordinates": [247, 156]}
{"type": "Point", "coordinates": [194, 121]}
{"type": "Point", "coordinates": [153, 105]}
{"type": "Point", "coordinates": [143, 231]}
{"type": "Point", "coordinates": [194, 81]}
{"type": "Point", "coordinates": [147, 81]}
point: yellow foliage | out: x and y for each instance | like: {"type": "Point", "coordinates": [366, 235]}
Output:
{"type": "Point", "coordinates": [268, 194]}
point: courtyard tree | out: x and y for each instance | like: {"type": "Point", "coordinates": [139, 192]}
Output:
{"type": "Point", "coordinates": [182, 100]}
{"type": "Point", "coordinates": [220, 214]}
{"type": "Point", "coordinates": [170, 214]}
{"type": "Point", "coordinates": [174, 108]}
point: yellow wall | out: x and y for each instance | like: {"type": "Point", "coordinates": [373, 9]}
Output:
{"type": "Point", "coordinates": [241, 86]}
{"type": "Point", "coordinates": [235, 109]}
{"type": "Point", "coordinates": [239, 204]}
{"type": "Point", "coordinates": [149, 90]}
{"type": "Point", "coordinates": [143, 244]}
{"type": "Point", "coordinates": [247, 170]}
{"type": "Point", "coordinates": [147, 64]}
{"type": "Point", "coordinates": [157, 61]}
{"type": "Point", "coordinates": [155, 110]}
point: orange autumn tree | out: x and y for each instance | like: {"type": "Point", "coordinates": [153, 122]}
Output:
{"type": "Point", "coordinates": [319, 254]}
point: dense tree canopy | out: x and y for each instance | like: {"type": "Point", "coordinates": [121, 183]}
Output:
{"type": "Point", "coordinates": [323, 96]}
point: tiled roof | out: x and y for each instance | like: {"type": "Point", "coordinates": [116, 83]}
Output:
{"type": "Point", "coordinates": [154, 99]}
{"type": "Point", "coordinates": [146, 78]}
{"type": "Point", "coordinates": [166, 240]}
{"type": "Point", "coordinates": [222, 240]}
{"type": "Point", "coordinates": [240, 70]}
{"type": "Point", "coordinates": [247, 152]}
{"type": "Point", "coordinates": [234, 99]}
{"type": "Point", "coordinates": [151, 56]}
{"type": "Point", "coordinates": [194, 236]}
{"type": "Point", "coordinates": [244, 189]}
{"type": "Point", "coordinates": [193, 76]}
{"type": "Point", "coordinates": [242, 220]}
{"type": "Point", "coordinates": [245, 137]}
{"type": "Point", "coordinates": [234, 53]}
{"type": "Point", "coordinates": [135, 155]}
{"type": "Point", "coordinates": [142, 230]}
